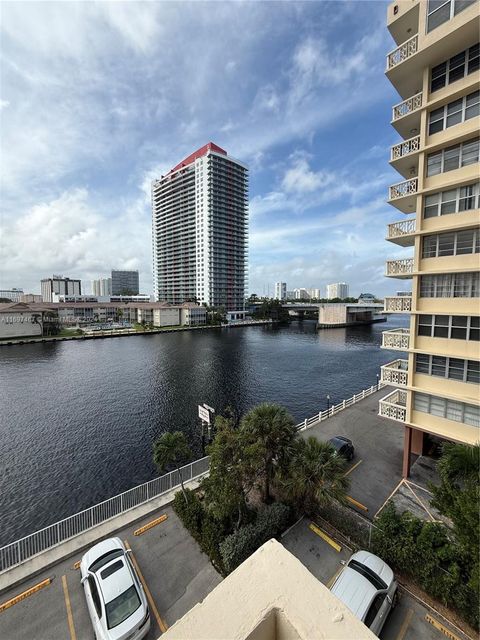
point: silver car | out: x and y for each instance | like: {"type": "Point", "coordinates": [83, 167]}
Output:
{"type": "Point", "coordinates": [367, 586]}
{"type": "Point", "coordinates": [115, 598]}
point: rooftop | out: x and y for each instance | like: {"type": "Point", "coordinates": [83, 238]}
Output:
{"type": "Point", "coordinates": [210, 146]}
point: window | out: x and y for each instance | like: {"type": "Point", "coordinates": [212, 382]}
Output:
{"type": "Point", "coordinates": [453, 113]}
{"type": "Point", "coordinates": [440, 11]}
{"type": "Point", "coordinates": [451, 244]}
{"type": "Point", "coordinates": [452, 201]}
{"type": "Point", "coordinates": [95, 596]}
{"type": "Point", "coordinates": [452, 158]}
{"type": "Point", "coordinates": [454, 69]}
{"type": "Point", "coordinates": [450, 409]}
{"type": "Point", "coordinates": [450, 285]}
{"type": "Point", "coordinates": [374, 609]}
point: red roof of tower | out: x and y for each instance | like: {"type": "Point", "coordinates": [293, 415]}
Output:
{"type": "Point", "coordinates": [210, 146]}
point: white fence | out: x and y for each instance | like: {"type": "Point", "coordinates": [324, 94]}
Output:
{"type": "Point", "coordinates": [336, 408]}
{"type": "Point", "coordinates": [21, 550]}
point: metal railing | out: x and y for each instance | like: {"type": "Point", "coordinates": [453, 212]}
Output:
{"type": "Point", "coordinates": [394, 406]}
{"type": "Point", "coordinates": [397, 304]}
{"type": "Point", "coordinates": [17, 552]}
{"type": "Point", "coordinates": [396, 339]}
{"type": "Point", "coordinates": [402, 189]}
{"type": "Point", "coordinates": [405, 148]}
{"type": "Point", "coordinates": [403, 52]}
{"type": "Point", "coordinates": [402, 267]}
{"type": "Point", "coordinates": [407, 106]}
{"type": "Point", "coordinates": [336, 408]}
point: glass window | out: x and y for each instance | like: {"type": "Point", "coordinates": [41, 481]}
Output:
{"type": "Point", "coordinates": [474, 333]}
{"type": "Point", "coordinates": [470, 153]}
{"type": "Point", "coordinates": [456, 368]}
{"type": "Point", "coordinates": [438, 13]}
{"type": "Point", "coordinates": [421, 402]}
{"type": "Point", "coordinates": [122, 607]}
{"type": "Point", "coordinates": [471, 415]}
{"type": "Point", "coordinates": [454, 113]}
{"type": "Point", "coordinates": [434, 164]}
{"type": "Point", "coordinates": [473, 58]}
{"type": "Point", "coordinates": [454, 410]}
{"type": "Point", "coordinates": [459, 327]}
{"type": "Point", "coordinates": [437, 406]}
{"type": "Point", "coordinates": [451, 158]}
{"type": "Point", "coordinates": [449, 202]}
{"type": "Point", "coordinates": [374, 609]}
{"type": "Point", "coordinates": [440, 329]}
{"type": "Point", "coordinates": [436, 121]}
{"type": "Point", "coordinates": [425, 325]}
{"type": "Point", "coordinates": [472, 105]}
{"type": "Point", "coordinates": [429, 246]}
{"type": "Point", "coordinates": [460, 5]}
{"type": "Point", "coordinates": [439, 77]}
{"type": "Point", "coordinates": [430, 205]}
{"type": "Point", "coordinates": [465, 241]}
{"type": "Point", "coordinates": [439, 366]}
{"type": "Point", "coordinates": [473, 371]}
{"type": "Point", "coordinates": [467, 198]}
{"type": "Point", "coordinates": [456, 67]}
{"type": "Point", "coordinates": [422, 363]}
{"type": "Point", "coordinates": [446, 244]}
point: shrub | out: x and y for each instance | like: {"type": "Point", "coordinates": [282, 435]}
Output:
{"type": "Point", "coordinates": [236, 548]}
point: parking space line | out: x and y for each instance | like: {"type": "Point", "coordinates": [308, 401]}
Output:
{"type": "Point", "coordinates": [313, 527]}
{"type": "Point", "coordinates": [162, 625]}
{"type": "Point", "coordinates": [24, 594]}
{"type": "Point", "coordinates": [149, 525]}
{"type": "Point", "coordinates": [71, 626]}
{"type": "Point", "coordinates": [357, 504]}
{"type": "Point", "coordinates": [352, 468]}
{"type": "Point", "coordinates": [440, 627]}
{"type": "Point", "coordinates": [405, 625]}
{"type": "Point", "coordinates": [333, 578]}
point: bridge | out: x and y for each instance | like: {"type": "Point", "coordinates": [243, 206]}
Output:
{"type": "Point", "coordinates": [339, 314]}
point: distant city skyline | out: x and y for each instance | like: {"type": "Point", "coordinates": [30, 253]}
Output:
{"type": "Point", "coordinates": [305, 107]}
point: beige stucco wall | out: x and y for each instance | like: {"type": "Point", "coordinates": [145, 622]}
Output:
{"type": "Point", "coordinates": [270, 596]}
{"type": "Point", "coordinates": [166, 317]}
{"type": "Point", "coordinates": [18, 325]}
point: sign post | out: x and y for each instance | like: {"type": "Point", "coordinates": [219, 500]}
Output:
{"type": "Point", "coordinates": [204, 413]}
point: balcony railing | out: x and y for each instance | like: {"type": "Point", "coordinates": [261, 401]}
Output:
{"type": "Point", "coordinates": [396, 339]}
{"type": "Point", "coordinates": [402, 228]}
{"type": "Point", "coordinates": [407, 106]}
{"type": "Point", "coordinates": [402, 189]}
{"type": "Point", "coordinates": [394, 406]}
{"type": "Point", "coordinates": [395, 372]}
{"type": "Point", "coordinates": [405, 148]}
{"type": "Point", "coordinates": [402, 267]}
{"type": "Point", "coordinates": [397, 304]}
{"type": "Point", "coordinates": [403, 52]}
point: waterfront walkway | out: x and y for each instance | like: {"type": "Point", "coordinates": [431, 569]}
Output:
{"type": "Point", "coordinates": [377, 467]}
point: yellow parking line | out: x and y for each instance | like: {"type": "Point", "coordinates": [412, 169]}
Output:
{"type": "Point", "coordinates": [149, 525]}
{"type": "Point", "coordinates": [24, 594]}
{"type": "Point", "coordinates": [440, 627]}
{"type": "Point", "coordinates": [71, 626]}
{"type": "Point", "coordinates": [333, 578]}
{"type": "Point", "coordinates": [357, 504]}
{"type": "Point", "coordinates": [313, 527]}
{"type": "Point", "coordinates": [352, 468]}
{"type": "Point", "coordinates": [405, 625]}
{"type": "Point", "coordinates": [162, 625]}
{"type": "Point", "coordinates": [76, 565]}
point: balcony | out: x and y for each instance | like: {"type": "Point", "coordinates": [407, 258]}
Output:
{"type": "Point", "coordinates": [401, 233]}
{"type": "Point", "coordinates": [406, 115]}
{"type": "Point", "coordinates": [395, 372]}
{"type": "Point", "coordinates": [403, 195]}
{"type": "Point", "coordinates": [397, 304]}
{"type": "Point", "coordinates": [396, 339]}
{"type": "Point", "coordinates": [394, 406]}
{"type": "Point", "coordinates": [404, 157]}
{"type": "Point", "coordinates": [403, 52]}
{"type": "Point", "coordinates": [405, 148]}
{"type": "Point", "coordinates": [399, 268]}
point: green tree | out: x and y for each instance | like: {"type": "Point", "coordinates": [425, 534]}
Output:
{"type": "Point", "coordinates": [171, 449]}
{"type": "Point", "coordinates": [269, 438]}
{"type": "Point", "coordinates": [232, 475]}
{"type": "Point", "coordinates": [315, 475]}
{"type": "Point", "coordinates": [458, 497]}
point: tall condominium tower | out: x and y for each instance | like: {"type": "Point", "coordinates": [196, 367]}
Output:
{"type": "Point", "coordinates": [124, 283]}
{"type": "Point", "coordinates": [102, 287]}
{"type": "Point", "coordinates": [59, 286]}
{"type": "Point", "coordinates": [435, 69]}
{"type": "Point", "coordinates": [337, 290]}
{"type": "Point", "coordinates": [280, 290]}
{"type": "Point", "coordinates": [200, 227]}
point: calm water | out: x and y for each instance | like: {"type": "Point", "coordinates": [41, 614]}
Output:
{"type": "Point", "coordinates": [77, 419]}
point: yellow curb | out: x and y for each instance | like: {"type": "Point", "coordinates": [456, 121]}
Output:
{"type": "Point", "coordinates": [324, 536]}
{"type": "Point", "coordinates": [25, 594]}
{"type": "Point", "coordinates": [357, 504]}
{"type": "Point", "coordinates": [435, 623]}
{"type": "Point", "coordinates": [149, 525]}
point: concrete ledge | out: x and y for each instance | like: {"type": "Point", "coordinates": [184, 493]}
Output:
{"type": "Point", "coordinates": [52, 556]}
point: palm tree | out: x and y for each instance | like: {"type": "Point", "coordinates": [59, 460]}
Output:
{"type": "Point", "coordinates": [270, 431]}
{"type": "Point", "coordinates": [459, 461]}
{"type": "Point", "coordinates": [171, 449]}
{"type": "Point", "coordinates": [316, 474]}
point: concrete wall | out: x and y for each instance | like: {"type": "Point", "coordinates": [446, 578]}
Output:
{"type": "Point", "coordinates": [18, 325]}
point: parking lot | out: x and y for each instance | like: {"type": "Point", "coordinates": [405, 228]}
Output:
{"type": "Point", "coordinates": [410, 618]}
{"type": "Point", "coordinates": [175, 573]}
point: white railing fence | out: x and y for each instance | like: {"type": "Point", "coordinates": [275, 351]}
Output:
{"type": "Point", "coordinates": [407, 106]}
{"type": "Point", "coordinates": [21, 550]}
{"type": "Point", "coordinates": [336, 408]}
{"type": "Point", "coordinates": [403, 52]}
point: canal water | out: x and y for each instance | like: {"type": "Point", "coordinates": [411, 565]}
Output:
{"type": "Point", "coordinates": [77, 419]}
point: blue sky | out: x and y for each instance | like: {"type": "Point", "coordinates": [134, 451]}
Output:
{"type": "Point", "coordinates": [97, 99]}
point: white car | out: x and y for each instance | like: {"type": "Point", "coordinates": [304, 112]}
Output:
{"type": "Point", "coordinates": [115, 598]}
{"type": "Point", "coordinates": [367, 586]}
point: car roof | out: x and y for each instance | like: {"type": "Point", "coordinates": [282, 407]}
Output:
{"type": "Point", "coordinates": [355, 591]}
{"type": "Point", "coordinates": [376, 564]}
{"type": "Point", "coordinates": [101, 549]}
{"type": "Point", "coordinates": [116, 583]}
{"type": "Point", "coordinates": [341, 440]}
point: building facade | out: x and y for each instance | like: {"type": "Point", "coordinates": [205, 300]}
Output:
{"type": "Point", "coordinates": [337, 290]}
{"type": "Point", "coordinates": [280, 290]}
{"type": "Point", "coordinates": [14, 294]}
{"type": "Point", "coordinates": [124, 283]}
{"type": "Point", "coordinates": [435, 69]}
{"type": "Point", "coordinates": [102, 287]}
{"type": "Point", "coordinates": [59, 286]}
{"type": "Point", "coordinates": [200, 230]}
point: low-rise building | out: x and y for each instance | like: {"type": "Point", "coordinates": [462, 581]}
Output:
{"type": "Point", "coordinates": [20, 320]}
{"type": "Point", "coordinates": [31, 297]}
{"type": "Point", "coordinates": [13, 294]}
{"type": "Point", "coordinates": [192, 314]}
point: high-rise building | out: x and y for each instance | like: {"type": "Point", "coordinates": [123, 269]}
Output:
{"type": "Point", "coordinates": [315, 293]}
{"type": "Point", "coordinates": [435, 69]}
{"type": "Point", "coordinates": [301, 293]}
{"type": "Point", "coordinates": [124, 283]}
{"type": "Point", "coordinates": [102, 287]}
{"type": "Point", "coordinates": [280, 290]}
{"type": "Point", "coordinates": [200, 230]}
{"type": "Point", "coordinates": [59, 286]}
{"type": "Point", "coordinates": [337, 290]}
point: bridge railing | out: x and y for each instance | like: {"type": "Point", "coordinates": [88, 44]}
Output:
{"type": "Point", "coordinates": [17, 552]}
{"type": "Point", "coordinates": [336, 408]}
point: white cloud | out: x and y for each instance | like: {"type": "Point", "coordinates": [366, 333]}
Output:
{"type": "Point", "coordinates": [299, 178]}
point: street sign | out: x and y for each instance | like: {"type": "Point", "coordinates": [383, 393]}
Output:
{"type": "Point", "coordinates": [211, 409]}
{"type": "Point", "coordinates": [204, 414]}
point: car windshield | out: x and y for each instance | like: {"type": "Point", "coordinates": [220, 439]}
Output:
{"type": "Point", "coordinates": [103, 560]}
{"type": "Point", "coordinates": [122, 607]}
{"type": "Point", "coordinates": [367, 573]}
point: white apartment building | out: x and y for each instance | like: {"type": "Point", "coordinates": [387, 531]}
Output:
{"type": "Point", "coordinates": [337, 290]}
{"type": "Point", "coordinates": [301, 294]}
{"type": "Point", "coordinates": [57, 286]}
{"type": "Point", "coordinates": [14, 294]}
{"type": "Point", "coordinates": [280, 290]}
{"type": "Point", "coordinates": [102, 287]}
{"type": "Point", "coordinates": [200, 230]}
